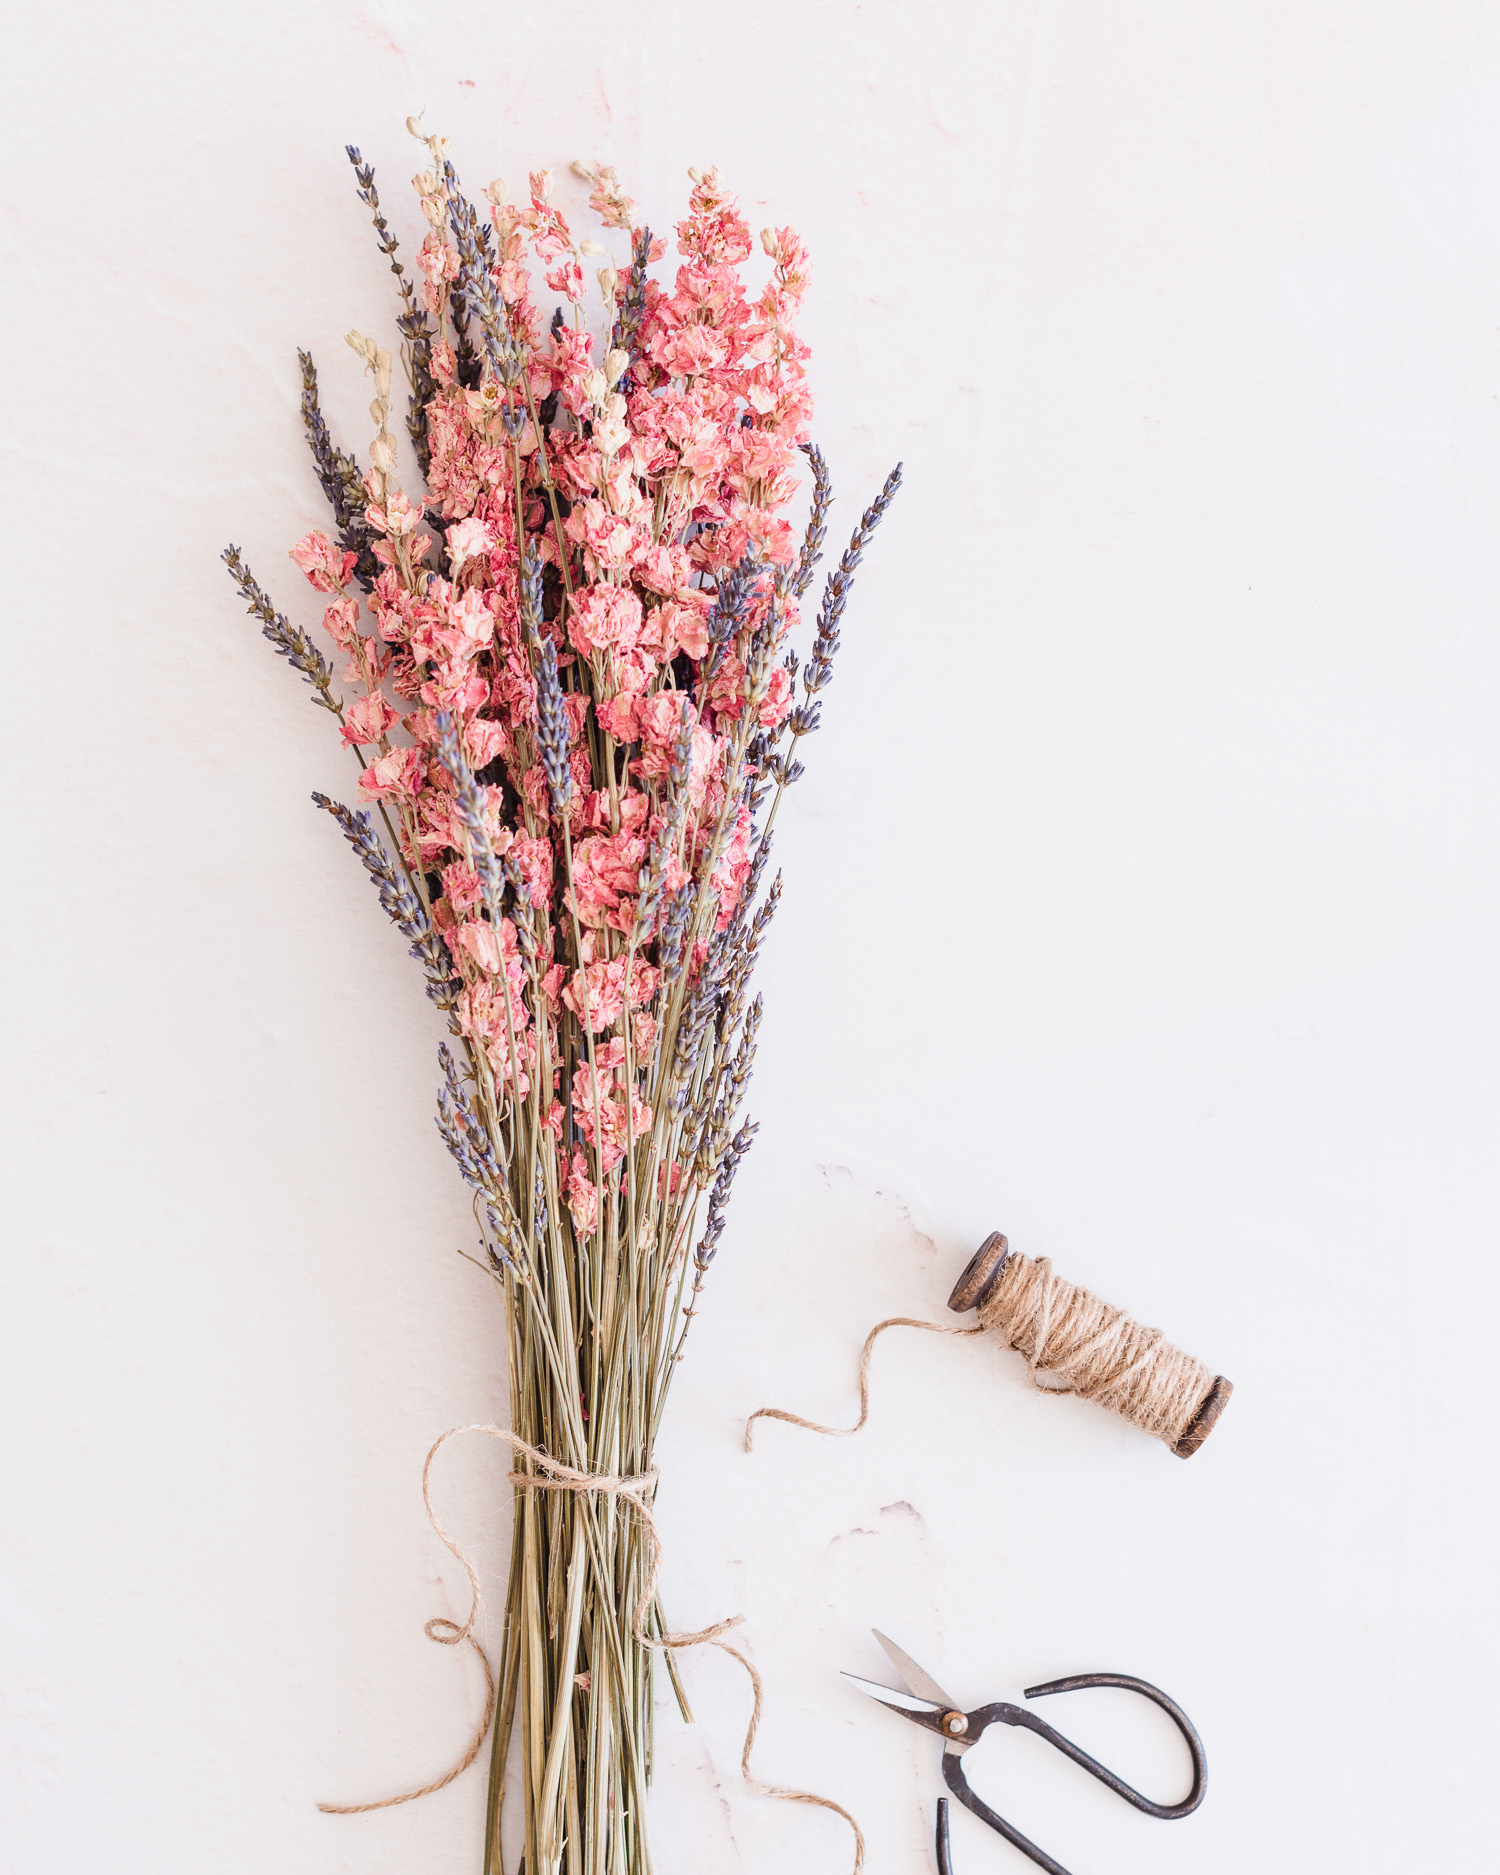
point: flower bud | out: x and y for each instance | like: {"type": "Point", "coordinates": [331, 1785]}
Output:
{"type": "Point", "coordinates": [590, 248]}
{"type": "Point", "coordinates": [383, 454]}
{"type": "Point", "coordinates": [594, 386]}
{"type": "Point", "coordinates": [608, 280]}
{"type": "Point", "coordinates": [615, 364]}
{"type": "Point", "coordinates": [496, 193]}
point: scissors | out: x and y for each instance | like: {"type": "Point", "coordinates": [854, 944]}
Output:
{"type": "Point", "coordinates": [922, 1700]}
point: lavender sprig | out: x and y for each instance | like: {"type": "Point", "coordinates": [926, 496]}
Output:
{"type": "Point", "coordinates": [539, 1213]}
{"type": "Point", "coordinates": [465, 1137]}
{"type": "Point", "coordinates": [469, 367]}
{"type": "Point", "coordinates": [748, 933]}
{"type": "Point", "coordinates": [750, 923]}
{"type": "Point", "coordinates": [522, 906]}
{"type": "Point", "coordinates": [663, 846]}
{"type": "Point", "coordinates": [342, 483]}
{"type": "Point", "coordinates": [741, 1066]}
{"type": "Point", "coordinates": [757, 779]}
{"type": "Point", "coordinates": [819, 672]}
{"type": "Point", "coordinates": [817, 520]}
{"type": "Point", "coordinates": [496, 875]}
{"type": "Point", "coordinates": [752, 878]}
{"type": "Point", "coordinates": [398, 901]}
{"type": "Point", "coordinates": [469, 801]}
{"type": "Point", "coordinates": [698, 1012]}
{"type": "Point", "coordinates": [736, 589]}
{"type": "Point", "coordinates": [290, 640]}
{"type": "Point", "coordinates": [741, 948]}
{"type": "Point", "coordinates": [531, 590]}
{"type": "Point", "coordinates": [502, 350]}
{"type": "Point", "coordinates": [718, 1200]}
{"type": "Point", "coordinates": [682, 748]}
{"type": "Point", "coordinates": [413, 321]}
{"type": "Point", "coordinates": [553, 730]}
{"type": "Point", "coordinates": [674, 929]}
{"type": "Point", "coordinates": [478, 1166]}
{"type": "Point", "coordinates": [626, 334]}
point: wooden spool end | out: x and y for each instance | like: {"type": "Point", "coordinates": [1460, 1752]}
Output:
{"type": "Point", "coordinates": [983, 1271]}
{"type": "Point", "coordinates": [1206, 1417]}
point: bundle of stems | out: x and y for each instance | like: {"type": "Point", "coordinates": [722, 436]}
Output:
{"type": "Point", "coordinates": [576, 710]}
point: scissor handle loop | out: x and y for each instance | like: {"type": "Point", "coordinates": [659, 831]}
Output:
{"type": "Point", "coordinates": [1004, 1713]}
{"type": "Point", "coordinates": [1127, 1683]}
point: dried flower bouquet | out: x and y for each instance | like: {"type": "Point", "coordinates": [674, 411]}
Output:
{"type": "Point", "coordinates": [575, 715]}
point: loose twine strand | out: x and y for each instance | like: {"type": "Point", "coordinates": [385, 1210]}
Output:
{"type": "Point", "coordinates": [844, 1432]}
{"type": "Point", "coordinates": [1081, 1343]}
{"type": "Point", "coordinates": [635, 1490]}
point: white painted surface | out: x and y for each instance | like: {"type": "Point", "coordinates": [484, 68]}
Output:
{"type": "Point", "coordinates": [1142, 901]}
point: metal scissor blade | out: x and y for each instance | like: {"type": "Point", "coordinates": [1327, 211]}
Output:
{"type": "Point", "coordinates": [920, 1683]}
{"type": "Point", "coordinates": [898, 1701]}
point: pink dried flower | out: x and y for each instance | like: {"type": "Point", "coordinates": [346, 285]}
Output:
{"type": "Point", "coordinates": [396, 775]}
{"type": "Point", "coordinates": [326, 567]}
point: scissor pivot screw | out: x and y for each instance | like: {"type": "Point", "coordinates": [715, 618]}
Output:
{"type": "Point", "coordinates": [955, 1724]}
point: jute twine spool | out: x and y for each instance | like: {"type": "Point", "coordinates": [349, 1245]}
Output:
{"type": "Point", "coordinates": [1075, 1342]}
{"type": "Point", "coordinates": [1072, 1341]}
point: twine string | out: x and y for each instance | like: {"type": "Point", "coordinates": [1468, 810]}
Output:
{"type": "Point", "coordinates": [1072, 1341]}
{"type": "Point", "coordinates": [553, 1475]}
{"type": "Point", "coordinates": [844, 1432]}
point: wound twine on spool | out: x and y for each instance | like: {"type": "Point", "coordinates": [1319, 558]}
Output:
{"type": "Point", "coordinates": [553, 1475]}
{"type": "Point", "coordinates": [1081, 1343]}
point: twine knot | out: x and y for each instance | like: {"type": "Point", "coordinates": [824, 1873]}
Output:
{"type": "Point", "coordinates": [637, 1490]}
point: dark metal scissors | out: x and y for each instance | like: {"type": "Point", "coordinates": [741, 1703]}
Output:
{"type": "Point", "coordinates": [924, 1701]}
